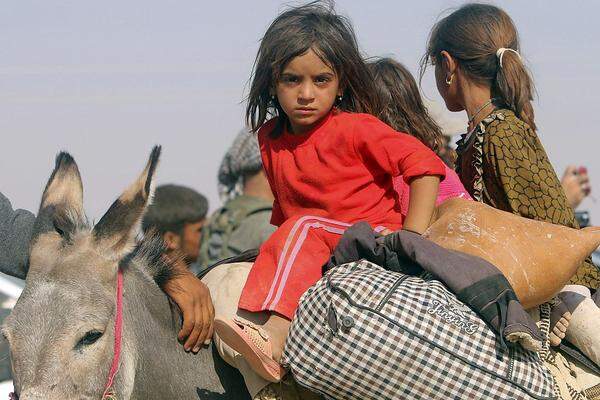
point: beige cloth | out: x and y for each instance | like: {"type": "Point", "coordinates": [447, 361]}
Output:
{"type": "Point", "coordinates": [584, 329]}
{"type": "Point", "coordinates": [572, 380]}
{"type": "Point", "coordinates": [225, 283]}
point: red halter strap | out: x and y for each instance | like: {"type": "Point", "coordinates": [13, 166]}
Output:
{"type": "Point", "coordinates": [114, 368]}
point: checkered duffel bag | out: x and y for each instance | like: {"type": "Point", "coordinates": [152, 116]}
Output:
{"type": "Point", "coordinates": [365, 333]}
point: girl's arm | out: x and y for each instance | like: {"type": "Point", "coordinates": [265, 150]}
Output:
{"type": "Point", "coordinates": [384, 150]}
{"type": "Point", "coordinates": [394, 153]}
{"type": "Point", "coordinates": [423, 194]}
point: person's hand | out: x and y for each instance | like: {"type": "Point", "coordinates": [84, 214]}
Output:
{"type": "Point", "coordinates": [193, 298]}
{"type": "Point", "coordinates": [576, 184]}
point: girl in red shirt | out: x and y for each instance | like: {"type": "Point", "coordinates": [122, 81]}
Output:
{"type": "Point", "coordinates": [329, 163]}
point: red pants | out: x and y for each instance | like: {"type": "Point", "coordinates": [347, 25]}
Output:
{"type": "Point", "coordinates": [290, 262]}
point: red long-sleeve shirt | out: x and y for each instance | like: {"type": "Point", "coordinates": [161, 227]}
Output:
{"type": "Point", "coordinates": [342, 169]}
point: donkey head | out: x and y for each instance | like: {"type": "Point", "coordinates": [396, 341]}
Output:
{"type": "Point", "coordinates": [61, 331]}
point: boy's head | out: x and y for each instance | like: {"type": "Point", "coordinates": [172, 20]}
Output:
{"type": "Point", "coordinates": [177, 213]}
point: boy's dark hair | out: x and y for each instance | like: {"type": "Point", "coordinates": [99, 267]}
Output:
{"type": "Point", "coordinates": [313, 26]}
{"type": "Point", "coordinates": [472, 35]}
{"type": "Point", "coordinates": [174, 206]}
{"type": "Point", "coordinates": [401, 105]}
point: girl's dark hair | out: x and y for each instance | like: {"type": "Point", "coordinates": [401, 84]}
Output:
{"type": "Point", "coordinates": [313, 26]}
{"type": "Point", "coordinates": [401, 105]}
{"type": "Point", "coordinates": [472, 35]}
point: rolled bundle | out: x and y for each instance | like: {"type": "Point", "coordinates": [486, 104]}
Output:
{"type": "Point", "coordinates": [538, 258]}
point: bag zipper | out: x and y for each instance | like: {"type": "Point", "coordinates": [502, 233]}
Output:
{"type": "Point", "coordinates": [390, 292]}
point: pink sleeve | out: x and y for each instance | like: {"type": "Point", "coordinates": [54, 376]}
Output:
{"type": "Point", "coordinates": [452, 187]}
{"type": "Point", "coordinates": [449, 188]}
{"type": "Point", "coordinates": [382, 148]}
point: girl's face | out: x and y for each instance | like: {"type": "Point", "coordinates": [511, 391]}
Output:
{"type": "Point", "coordinates": [306, 91]}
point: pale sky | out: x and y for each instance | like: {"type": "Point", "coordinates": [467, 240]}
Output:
{"type": "Point", "coordinates": [107, 80]}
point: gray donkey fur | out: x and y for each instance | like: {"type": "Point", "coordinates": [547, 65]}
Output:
{"type": "Point", "coordinates": [61, 331]}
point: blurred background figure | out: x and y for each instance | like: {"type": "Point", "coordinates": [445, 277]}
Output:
{"type": "Point", "coordinates": [16, 227]}
{"type": "Point", "coordinates": [447, 152]}
{"type": "Point", "coordinates": [178, 214]}
{"type": "Point", "coordinates": [243, 222]}
{"type": "Point", "coordinates": [452, 127]}
{"type": "Point", "coordinates": [576, 183]}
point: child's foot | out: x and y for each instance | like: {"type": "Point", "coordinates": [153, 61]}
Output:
{"type": "Point", "coordinates": [253, 343]}
{"type": "Point", "coordinates": [564, 305]}
{"type": "Point", "coordinates": [559, 321]}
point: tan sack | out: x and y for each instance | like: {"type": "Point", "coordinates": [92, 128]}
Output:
{"type": "Point", "coordinates": [538, 258]}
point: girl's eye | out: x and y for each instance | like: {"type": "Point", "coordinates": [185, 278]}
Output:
{"type": "Point", "coordinates": [322, 79]}
{"type": "Point", "coordinates": [289, 79]}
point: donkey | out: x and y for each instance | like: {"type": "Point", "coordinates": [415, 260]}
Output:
{"type": "Point", "coordinates": [71, 337]}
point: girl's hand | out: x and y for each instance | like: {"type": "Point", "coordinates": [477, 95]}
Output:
{"type": "Point", "coordinates": [423, 194]}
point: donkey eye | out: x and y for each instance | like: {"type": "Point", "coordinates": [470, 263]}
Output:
{"type": "Point", "coordinates": [89, 338]}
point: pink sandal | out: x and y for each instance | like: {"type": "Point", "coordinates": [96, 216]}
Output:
{"type": "Point", "coordinates": [253, 344]}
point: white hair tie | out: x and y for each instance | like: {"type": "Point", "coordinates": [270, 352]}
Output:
{"type": "Point", "coordinates": [502, 50]}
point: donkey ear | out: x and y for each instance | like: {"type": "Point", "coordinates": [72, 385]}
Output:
{"type": "Point", "coordinates": [117, 229]}
{"type": "Point", "coordinates": [61, 208]}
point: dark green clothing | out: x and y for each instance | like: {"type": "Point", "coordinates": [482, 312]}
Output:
{"type": "Point", "coordinates": [241, 224]}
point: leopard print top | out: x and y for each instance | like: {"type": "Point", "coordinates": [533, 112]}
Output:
{"type": "Point", "coordinates": [503, 164]}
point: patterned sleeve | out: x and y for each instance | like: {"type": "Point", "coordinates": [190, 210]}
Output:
{"type": "Point", "coordinates": [523, 175]}
{"type": "Point", "coordinates": [525, 182]}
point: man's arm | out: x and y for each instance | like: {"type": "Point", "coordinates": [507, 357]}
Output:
{"type": "Point", "coordinates": [193, 298]}
{"type": "Point", "coordinates": [16, 227]}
